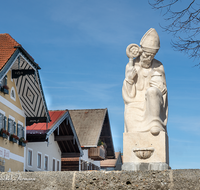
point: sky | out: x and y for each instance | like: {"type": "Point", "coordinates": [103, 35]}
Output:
{"type": "Point", "coordinates": [80, 46]}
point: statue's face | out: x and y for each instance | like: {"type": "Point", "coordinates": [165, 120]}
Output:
{"type": "Point", "coordinates": [146, 59]}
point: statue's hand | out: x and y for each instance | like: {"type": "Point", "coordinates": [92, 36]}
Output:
{"type": "Point", "coordinates": [131, 73]}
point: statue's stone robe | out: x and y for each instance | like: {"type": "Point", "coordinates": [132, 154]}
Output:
{"type": "Point", "coordinates": [145, 106]}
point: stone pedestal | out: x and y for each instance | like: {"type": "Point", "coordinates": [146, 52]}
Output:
{"type": "Point", "coordinates": [144, 151]}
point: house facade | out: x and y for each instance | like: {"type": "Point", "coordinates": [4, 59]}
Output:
{"type": "Point", "coordinates": [48, 143]}
{"type": "Point", "coordinates": [21, 102]}
{"type": "Point", "coordinates": [94, 133]}
{"type": "Point", "coordinates": [43, 156]}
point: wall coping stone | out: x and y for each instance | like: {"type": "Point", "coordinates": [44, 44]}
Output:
{"type": "Point", "coordinates": [112, 180]}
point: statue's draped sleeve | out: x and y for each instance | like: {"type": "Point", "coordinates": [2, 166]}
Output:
{"type": "Point", "coordinates": [129, 88]}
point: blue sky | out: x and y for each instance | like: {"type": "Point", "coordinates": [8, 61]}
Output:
{"type": "Point", "coordinates": [81, 47]}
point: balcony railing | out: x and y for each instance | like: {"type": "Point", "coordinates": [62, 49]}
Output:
{"type": "Point", "coordinates": [98, 153]}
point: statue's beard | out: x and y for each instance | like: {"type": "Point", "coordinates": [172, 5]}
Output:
{"type": "Point", "coordinates": [146, 63]}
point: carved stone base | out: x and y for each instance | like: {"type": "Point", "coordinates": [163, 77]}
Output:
{"type": "Point", "coordinates": [144, 151]}
{"type": "Point", "coordinates": [145, 166]}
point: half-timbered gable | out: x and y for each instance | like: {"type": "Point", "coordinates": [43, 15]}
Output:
{"type": "Point", "coordinates": [21, 101]}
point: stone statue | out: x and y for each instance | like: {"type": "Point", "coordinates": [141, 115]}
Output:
{"type": "Point", "coordinates": [145, 139]}
{"type": "Point", "coordinates": [144, 88]}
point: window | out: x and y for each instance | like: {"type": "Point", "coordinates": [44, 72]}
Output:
{"type": "Point", "coordinates": [11, 126]}
{"type": "Point", "coordinates": [39, 157]}
{"type": "Point", "coordinates": [3, 85]}
{"type": "Point", "coordinates": [12, 94]}
{"type": "Point", "coordinates": [20, 130]}
{"type": "Point", "coordinates": [46, 162]}
{"type": "Point", "coordinates": [3, 120]}
{"type": "Point", "coordinates": [58, 164]}
{"type": "Point", "coordinates": [54, 165]}
{"type": "Point", "coordinates": [30, 154]}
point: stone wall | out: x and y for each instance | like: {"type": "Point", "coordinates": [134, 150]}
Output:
{"type": "Point", "coordinates": [165, 180]}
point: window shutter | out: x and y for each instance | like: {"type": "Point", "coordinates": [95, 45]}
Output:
{"type": "Point", "coordinates": [5, 120]}
{"type": "Point", "coordinates": [14, 127]}
{"type": "Point", "coordinates": [1, 121]}
{"type": "Point", "coordinates": [6, 80]}
{"type": "Point", "coordinates": [18, 129]}
{"type": "Point", "coordinates": [9, 121]}
{"type": "Point", "coordinates": [23, 132]}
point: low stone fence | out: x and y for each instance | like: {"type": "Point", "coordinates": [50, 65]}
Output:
{"type": "Point", "coordinates": [169, 179]}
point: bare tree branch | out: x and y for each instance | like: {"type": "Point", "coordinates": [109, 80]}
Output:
{"type": "Point", "coordinates": [184, 24]}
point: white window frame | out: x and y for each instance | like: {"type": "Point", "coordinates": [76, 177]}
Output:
{"type": "Point", "coordinates": [11, 117]}
{"type": "Point", "coordinates": [2, 112]}
{"type": "Point", "coordinates": [29, 149]}
{"type": "Point", "coordinates": [57, 165]}
{"type": "Point", "coordinates": [13, 98]}
{"type": "Point", "coordinates": [21, 123]}
{"type": "Point", "coordinates": [47, 162]}
{"type": "Point", "coordinates": [54, 159]}
{"type": "Point", "coordinates": [40, 160]}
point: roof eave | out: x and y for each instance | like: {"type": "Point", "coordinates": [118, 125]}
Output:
{"type": "Point", "coordinates": [57, 124]}
{"type": "Point", "coordinates": [106, 110]}
{"type": "Point", "coordinates": [75, 134]}
{"type": "Point", "coordinates": [28, 56]}
{"type": "Point", "coordinates": [8, 64]}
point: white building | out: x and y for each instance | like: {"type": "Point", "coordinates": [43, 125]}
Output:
{"type": "Point", "coordinates": [49, 143]}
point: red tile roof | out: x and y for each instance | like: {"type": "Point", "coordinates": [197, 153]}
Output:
{"type": "Point", "coordinates": [7, 48]}
{"type": "Point", "coordinates": [55, 117]}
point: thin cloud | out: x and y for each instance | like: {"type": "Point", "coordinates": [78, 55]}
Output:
{"type": "Point", "coordinates": [182, 141]}
{"type": "Point", "coordinates": [87, 91]}
{"type": "Point", "coordinates": [190, 124]}
{"type": "Point", "coordinates": [110, 27]}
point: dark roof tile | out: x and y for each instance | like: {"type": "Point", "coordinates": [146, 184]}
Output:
{"type": "Point", "coordinates": [88, 124]}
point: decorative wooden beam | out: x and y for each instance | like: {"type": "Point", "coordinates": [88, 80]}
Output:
{"type": "Point", "coordinates": [70, 155]}
{"type": "Point", "coordinates": [64, 138]}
